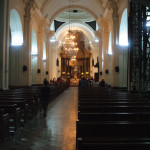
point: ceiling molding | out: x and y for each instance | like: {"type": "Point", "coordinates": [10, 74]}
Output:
{"type": "Point", "coordinates": [73, 7]}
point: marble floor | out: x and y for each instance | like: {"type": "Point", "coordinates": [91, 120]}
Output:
{"type": "Point", "coordinates": [55, 132]}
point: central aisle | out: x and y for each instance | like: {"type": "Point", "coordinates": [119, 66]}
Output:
{"type": "Point", "coordinates": [61, 121]}
{"type": "Point", "coordinates": [59, 132]}
{"type": "Point", "coordinates": [55, 132]}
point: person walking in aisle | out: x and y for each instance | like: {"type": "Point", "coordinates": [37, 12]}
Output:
{"type": "Point", "coordinates": [44, 96]}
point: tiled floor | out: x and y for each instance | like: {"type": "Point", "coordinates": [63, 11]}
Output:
{"type": "Point", "coordinates": [56, 132]}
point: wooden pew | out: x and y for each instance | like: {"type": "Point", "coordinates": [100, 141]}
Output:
{"type": "Point", "coordinates": [33, 105]}
{"type": "Point", "coordinates": [123, 108]}
{"type": "Point", "coordinates": [23, 105]}
{"type": "Point", "coordinates": [4, 125]}
{"type": "Point", "coordinates": [14, 114]}
{"type": "Point", "coordinates": [106, 132]}
{"type": "Point", "coordinates": [111, 119]}
{"type": "Point", "coordinates": [120, 144]}
{"type": "Point", "coordinates": [117, 116]}
{"type": "Point", "coordinates": [114, 103]}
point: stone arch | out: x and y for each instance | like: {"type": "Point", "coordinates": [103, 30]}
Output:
{"type": "Point", "coordinates": [73, 7]}
{"type": "Point", "coordinates": [89, 31]}
{"type": "Point", "coordinates": [16, 28]}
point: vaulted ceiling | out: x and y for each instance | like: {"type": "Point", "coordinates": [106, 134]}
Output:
{"type": "Point", "coordinates": [52, 8]}
{"type": "Point", "coordinates": [96, 8]}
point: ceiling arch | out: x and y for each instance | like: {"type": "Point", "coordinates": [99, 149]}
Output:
{"type": "Point", "coordinates": [73, 7]}
{"type": "Point", "coordinates": [93, 7]}
{"type": "Point", "coordinates": [88, 31]}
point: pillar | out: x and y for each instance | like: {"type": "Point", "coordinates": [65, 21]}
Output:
{"type": "Point", "coordinates": [115, 48]}
{"type": "Point", "coordinates": [4, 44]}
{"type": "Point", "coordinates": [49, 63]}
{"type": "Point", "coordinates": [104, 42]}
{"type": "Point", "coordinates": [27, 76]}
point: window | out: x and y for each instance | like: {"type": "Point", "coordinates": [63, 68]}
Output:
{"type": "Point", "coordinates": [16, 28]}
{"type": "Point", "coordinates": [110, 45]}
{"type": "Point", "coordinates": [123, 34]}
{"type": "Point", "coordinates": [34, 50]}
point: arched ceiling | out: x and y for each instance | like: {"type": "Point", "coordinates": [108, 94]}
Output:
{"type": "Point", "coordinates": [52, 8]}
{"type": "Point", "coordinates": [88, 32]}
{"type": "Point", "coordinates": [75, 16]}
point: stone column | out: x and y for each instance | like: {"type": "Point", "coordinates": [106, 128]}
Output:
{"type": "Point", "coordinates": [27, 75]}
{"type": "Point", "coordinates": [115, 49]}
{"type": "Point", "coordinates": [40, 50]}
{"type": "Point", "coordinates": [98, 34]}
{"type": "Point", "coordinates": [106, 57]}
{"type": "Point", "coordinates": [40, 57]}
{"type": "Point", "coordinates": [49, 54]}
{"type": "Point", "coordinates": [4, 44]}
{"type": "Point", "coordinates": [100, 59]}
{"type": "Point", "coordinates": [104, 49]}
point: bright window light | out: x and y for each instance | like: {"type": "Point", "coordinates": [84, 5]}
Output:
{"type": "Point", "coordinates": [44, 51]}
{"type": "Point", "coordinates": [96, 40]}
{"type": "Point", "coordinates": [34, 43]}
{"type": "Point", "coordinates": [110, 45]}
{"type": "Point", "coordinates": [34, 53]}
{"type": "Point", "coordinates": [53, 40]}
{"type": "Point", "coordinates": [16, 28]}
{"type": "Point", "coordinates": [123, 35]}
{"type": "Point", "coordinates": [148, 22]}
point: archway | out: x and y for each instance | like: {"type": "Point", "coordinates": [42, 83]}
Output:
{"type": "Point", "coordinates": [15, 49]}
{"type": "Point", "coordinates": [74, 20]}
{"type": "Point", "coordinates": [123, 34]}
{"type": "Point", "coordinates": [16, 28]}
{"type": "Point", "coordinates": [123, 49]}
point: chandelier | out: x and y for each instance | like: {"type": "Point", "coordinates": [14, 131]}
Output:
{"type": "Point", "coordinates": [70, 44]}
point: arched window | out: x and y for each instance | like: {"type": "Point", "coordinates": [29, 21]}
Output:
{"type": "Point", "coordinates": [110, 45]}
{"type": "Point", "coordinates": [44, 51]}
{"type": "Point", "coordinates": [34, 43]}
{"type": "Point", "coordinates": [16, 28]}
{"type": "Point", "coordinates": [123, 35]}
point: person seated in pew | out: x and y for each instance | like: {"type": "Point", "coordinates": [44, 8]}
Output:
{"type": "Point", "coordinates": [102, 83]}
{"type": "Point", "coordinates": [83, 83]}
{"type": "Point", "coordinates": [44, 96]}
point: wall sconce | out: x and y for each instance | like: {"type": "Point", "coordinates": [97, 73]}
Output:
{"type": "Point", "coordinates": [106, 71]}
{"type": "Point", "coordinates": [57, 62]}
{"type": "Point", "coordinates": [117, 68]}
{"type": "Point", "coordinates": [24, 68]}
{"type": "Point", "coordinates": [38, 71]}
{"type": "Point", "coordinates": [92, 62]}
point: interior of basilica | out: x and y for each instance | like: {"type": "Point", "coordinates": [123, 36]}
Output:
{"type": "Point", "coordinates": [65, 42]}
{"type": "Point", "coordinates": [37, 42]}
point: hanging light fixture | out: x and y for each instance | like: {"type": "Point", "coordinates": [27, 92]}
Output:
{"type": "Point", "coordinates": [70, 44]}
